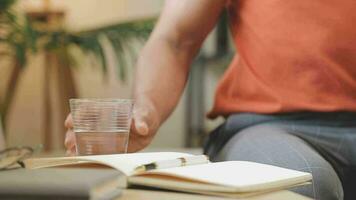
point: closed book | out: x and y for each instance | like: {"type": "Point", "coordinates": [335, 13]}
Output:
{"type": "Point", "coordinates": [60, 183]}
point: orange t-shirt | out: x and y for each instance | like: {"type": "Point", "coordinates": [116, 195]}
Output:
{"type": "Point", "coordinates": [293, 55]}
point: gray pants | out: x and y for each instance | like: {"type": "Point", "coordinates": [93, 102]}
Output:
{"type": "Point", "coordinates": [323, 144]}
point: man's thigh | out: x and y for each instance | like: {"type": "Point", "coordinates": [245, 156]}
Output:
{"type": "Point", "coordinates": [271, 144]}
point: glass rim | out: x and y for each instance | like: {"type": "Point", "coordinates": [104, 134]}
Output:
{"type": "Point", "coordinates": [103, 100]}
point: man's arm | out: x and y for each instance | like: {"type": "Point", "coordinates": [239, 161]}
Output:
{"type": "Point", "coordinates": [163, 65]}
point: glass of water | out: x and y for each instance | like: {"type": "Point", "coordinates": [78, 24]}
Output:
{"type": "Point", "coordinates": [101, 126]}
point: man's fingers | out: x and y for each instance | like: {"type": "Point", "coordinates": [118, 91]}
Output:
{"type": "Point", "coordinates": [140, 121]}
{"type": "Point", "coordinates": [69, 141]}
{"type": "Point", "coordinates": [141, 127]}
{"type": "Point", "coordinates": [137, 142]}
{"type": "Point", "coordinates": [71, 152]}
{"type": "Point", "coordinates": [69, 121]}
{"type": "Point", "coordinates": [143, 120]}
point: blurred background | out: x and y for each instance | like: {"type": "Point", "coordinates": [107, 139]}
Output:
{"type": "Point", "coordinates": [53, 50]}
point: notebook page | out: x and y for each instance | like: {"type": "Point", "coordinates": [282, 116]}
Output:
{"type": "Point", "coordinates": [125, 163]}
{"type": "Point", "coordinates": [241, 175]}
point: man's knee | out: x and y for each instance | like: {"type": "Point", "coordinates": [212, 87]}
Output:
{"type": "Point", "coordinates": [248, 144]}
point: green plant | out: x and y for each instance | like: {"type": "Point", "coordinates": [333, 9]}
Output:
{"type": "Point", "coordinates": [120, 37]}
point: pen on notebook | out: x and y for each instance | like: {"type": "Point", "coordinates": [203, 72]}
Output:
{"type": "Point", "coordinates": [178, 162]}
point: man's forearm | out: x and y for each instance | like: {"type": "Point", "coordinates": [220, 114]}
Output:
{"type": "Point", "coordinates": [162, 71]}
{"type": "Point", "coordinates": [163, 65]}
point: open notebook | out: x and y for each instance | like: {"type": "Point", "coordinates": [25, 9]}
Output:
{"type": "Point", "coordinates": [230, 178]}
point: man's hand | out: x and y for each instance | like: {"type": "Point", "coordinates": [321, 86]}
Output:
{"type": "Point", "coordinates": [144, 126]}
